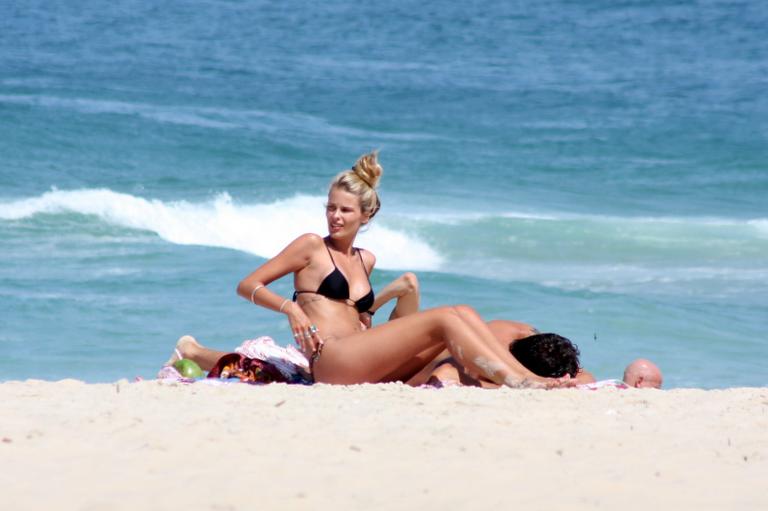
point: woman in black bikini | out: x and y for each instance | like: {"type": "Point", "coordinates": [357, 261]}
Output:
{"type": "Point", "coordinates": [326, 322]}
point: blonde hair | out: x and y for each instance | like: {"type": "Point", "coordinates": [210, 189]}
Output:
{"type": "Point", "coordinates": [362, 180]}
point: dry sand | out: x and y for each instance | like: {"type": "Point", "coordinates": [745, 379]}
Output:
{"type": "Point", "coordinates": [149, 445]}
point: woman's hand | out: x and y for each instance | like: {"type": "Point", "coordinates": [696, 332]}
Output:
{"type": "Point", "coordinates": [305, 333]}
{"type": "Point", "coordinates": [541, 382]}
{"type": "Point", "coordinates": [366, 319]}
{"type": "Point", "coordinates": [563, 382]}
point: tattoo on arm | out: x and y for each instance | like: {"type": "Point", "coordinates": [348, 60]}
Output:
{"type": "Point", "coordinates": [307, 300]}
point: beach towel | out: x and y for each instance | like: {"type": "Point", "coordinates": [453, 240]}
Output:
{"type": "Point", "coordinates": [258, 360]}
{"type": "Point", "coordinates": [602, 384]}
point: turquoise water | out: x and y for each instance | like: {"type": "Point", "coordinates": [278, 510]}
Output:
{"type": "Point", "coordinates": [599, 169]}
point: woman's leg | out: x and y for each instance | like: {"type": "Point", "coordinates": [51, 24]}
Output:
{"type": "Point", "coordinates": [405, 289]}
{"type": "Point", "coordinates": [482, 329]}
{"type": "Point", "coordinates": [373, 354]}
{"type": "Point", "coordinates": [418, 368]}
{"type": "Point", "coordinates": [188, 347]}
{"type": "Point", "coordinates": [505, 331]}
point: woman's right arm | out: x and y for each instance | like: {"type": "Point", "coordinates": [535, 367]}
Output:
{"type": "Point", "coordinates": [291, 259]}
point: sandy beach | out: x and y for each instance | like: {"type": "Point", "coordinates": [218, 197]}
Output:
{"type": "Point", "coordinates": [148, 445]}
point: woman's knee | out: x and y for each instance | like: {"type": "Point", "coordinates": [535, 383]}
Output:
{"type": "Point", "coordinates": [439, 319]}
{"type": "Point", "coordinates": [449, 318]}
{"type": "Point", "coordinates": [189, 343]}
{"type": "Point", "coordinates": [466, 311]}
{"type": "Point", "coordinates": [445, 311]}
{"type": "Point", "coordinates": [411, 282]}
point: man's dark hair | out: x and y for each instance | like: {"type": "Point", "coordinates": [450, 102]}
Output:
{"type": "Point", "coordinates": [548, 355]}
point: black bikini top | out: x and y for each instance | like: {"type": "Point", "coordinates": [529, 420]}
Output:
{"type": "Point", "coordinates": [336, 287]}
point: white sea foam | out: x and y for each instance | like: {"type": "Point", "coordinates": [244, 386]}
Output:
{"type": "Point", "coordinates": [261, 229]}
{"type": "Point", "coordinates": [461, 217]}
{"type": "Point", "coordinates": [604, 253]}
{"type": "Point", "coordinates": [625, 278]}
{"type": "Point", "coordinates": [761, 225]}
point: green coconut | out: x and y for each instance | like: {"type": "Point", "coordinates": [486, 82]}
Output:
{"type": "Point", "coordinates": [188, 368]}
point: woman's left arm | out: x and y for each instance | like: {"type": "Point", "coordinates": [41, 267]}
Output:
{"type": "Point", "coordinates": [369, 261]}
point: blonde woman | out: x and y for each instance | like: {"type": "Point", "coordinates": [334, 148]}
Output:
{"type": "Point", "coordinates": [327, 312]}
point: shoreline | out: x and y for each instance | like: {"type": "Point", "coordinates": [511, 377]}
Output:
{"type": "Point", "coordinates": [154, 445]}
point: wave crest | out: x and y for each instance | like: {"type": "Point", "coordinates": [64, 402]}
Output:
{"type": "Point", "coordinates": [261, 229]}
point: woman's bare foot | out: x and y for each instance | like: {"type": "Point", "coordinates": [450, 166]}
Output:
{"type": "Point", "coordinates": [182, 348]}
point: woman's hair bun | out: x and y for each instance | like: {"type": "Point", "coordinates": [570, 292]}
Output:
{"type": "Point", "coordinates": [368, 169]}
{"type": "Point", "coordinates": [362, 181]}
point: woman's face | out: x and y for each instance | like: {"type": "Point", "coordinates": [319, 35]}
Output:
{"type": "Point", "coordinates": [343, 213]}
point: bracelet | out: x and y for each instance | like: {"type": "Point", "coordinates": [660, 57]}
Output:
{"type": "Point", "coordinates": [283, 304]}
{"type": "Point", "coordinates": [254, 292]}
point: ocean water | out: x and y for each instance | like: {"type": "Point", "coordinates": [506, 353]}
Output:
{"type": "Point", "coordinates": [598, 169]}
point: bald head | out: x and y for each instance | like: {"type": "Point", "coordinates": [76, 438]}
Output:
{"type": "Point", "coordinates": [643, 373]}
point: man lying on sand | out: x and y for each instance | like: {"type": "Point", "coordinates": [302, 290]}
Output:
{"type": "Point", "coordinates": [545, 354]}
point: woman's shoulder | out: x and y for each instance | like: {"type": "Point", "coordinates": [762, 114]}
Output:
{"type": "Point", "coordinates": [303, 247]}
{"type": "Point", "coordinates": [309, 240]}
{"type": "Point", "coordinates": [368, 258]}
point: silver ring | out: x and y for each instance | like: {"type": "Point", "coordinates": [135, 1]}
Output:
{"type": "Point", "coordinates": [296, 335]}
{"type": "Point", "coordinates": [307, 335]}
{"type": "Point", "coordinates": [313, 329]}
